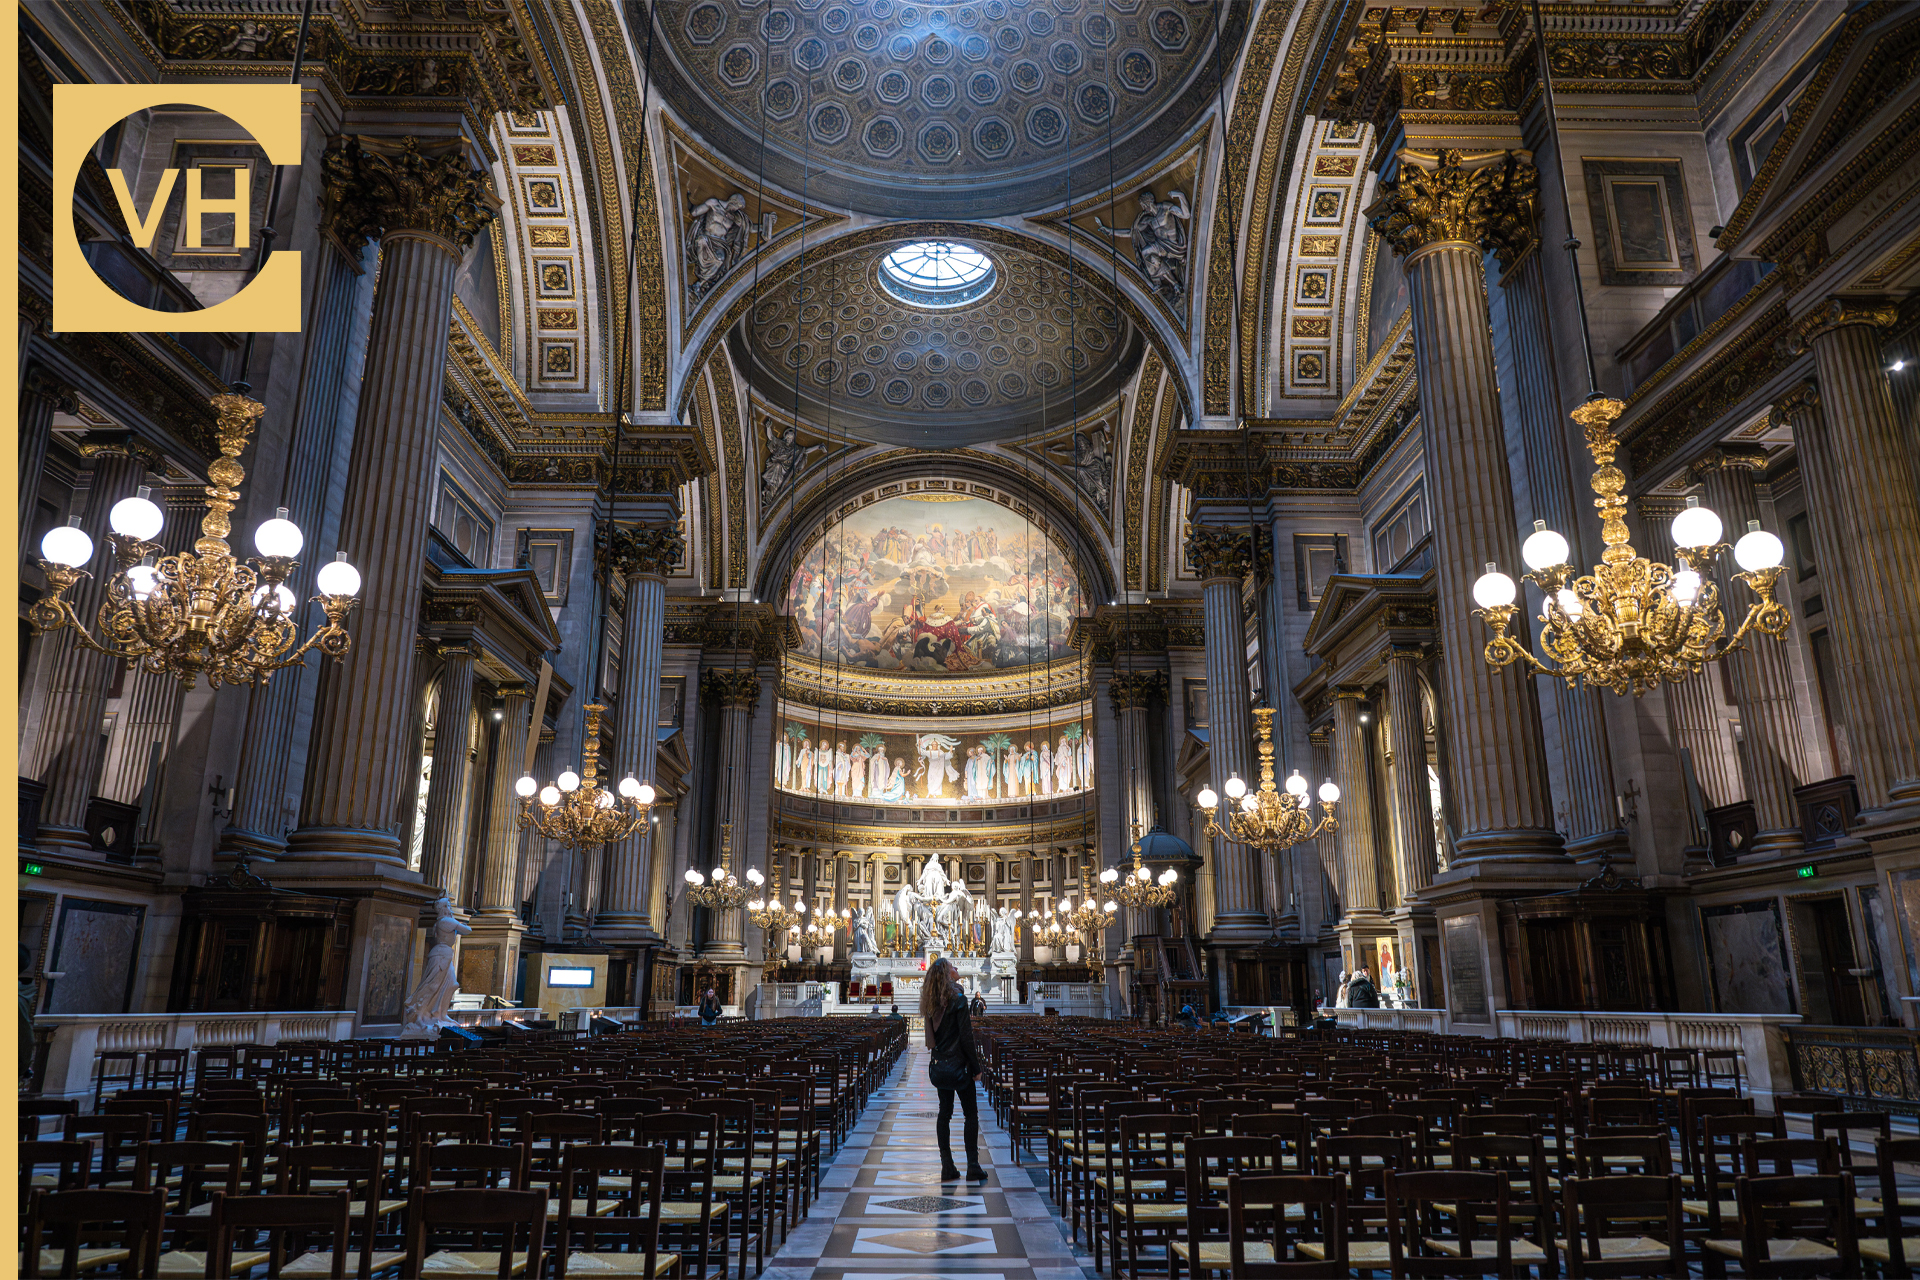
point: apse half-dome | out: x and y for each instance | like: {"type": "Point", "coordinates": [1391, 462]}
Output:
{"type": "Point", "coordinates": [934, 585]}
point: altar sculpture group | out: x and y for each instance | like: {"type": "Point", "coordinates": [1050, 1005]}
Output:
{"type": "Point", "coordinates": [936, 914]}
{"type": "Point", "coordinates": [998, 767]}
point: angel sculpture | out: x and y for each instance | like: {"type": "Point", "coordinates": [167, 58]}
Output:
{"type": "Point", "coordinates": [863, 930]}
{"type": "Point", "coordinates": [785, 458]}
{"type": "Point", "coordinates": [1003, 926]}
{"type": "Point", "coordinates": [716, 237]}
{"type": "Point", "coordinates": [1160, 242]}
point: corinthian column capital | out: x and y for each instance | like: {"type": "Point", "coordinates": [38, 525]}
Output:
{"type": "Point", "coordinates": [645, 549]}
{"type": "Point", "coordinates": [1729, 457]}
{"type": "Point", "coordinates": [1136, 689]}
{"type": "Point", "coordinates": [1485, 198]}
{"type": "Point", "coordinates": [375, 186]}
{"type": "Point", "coordinates": [1838, 313]}
{"type": "Point", "coordinates": [1804, 398]}
{"type": "Point", "coordinates": [731, 687]}
{"type": "Point", "coordinates": [1215, 551]}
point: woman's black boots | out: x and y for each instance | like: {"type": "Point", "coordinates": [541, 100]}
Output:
{"type": "Point", "coordinates": [947, 1172]}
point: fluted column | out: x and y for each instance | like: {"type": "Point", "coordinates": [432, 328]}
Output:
{"type": "Point", "coordinates": [1693, 706]}
{"type": "Point", "coordinates": [1223, 558]}
{"type": "Point", "coordinates": [1875, 510]}
{"type": "Point", "coordinates": [737, 691]}
{"type": "Point", "coordinates": [67, 751]}
{"type": "Point", "coordinates": [41, 393]}
{"type": "Point", "coordinates": [643, 554]}
{"type": "Point", "coordinates": [1436, 214]}
{"type": "Point", "coordinates": [499, 857]}
{"type": "Point", "coordinates": [1026, 907]}
{"type": "Point", "coordinates": [425, 208]}
{"type": "Point", "coordinates": [1132, 694]}
{"type": "Point", "coordinates": [1327, 846]}
{"type": "Point", "coordinates": [150, 705]}
{"type": "Point", "coordinates": [262, 811]}
{"type": "Point", "coordinates": [443, 842]}
{"type": "Point", "coordinates": [1412, 797]}
{"type": "Point", "coordinates": [1774, 760]}
{"type": "Point", "coordinates": [843, 940]}
{"type": "Point", "coordinates": [1360, 874]}
{"type": "Point", "coordinates": [1581, 729]}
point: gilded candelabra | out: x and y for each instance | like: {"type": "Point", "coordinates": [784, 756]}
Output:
{"type": "Point", "coordinates": [1138, 888]}
{"type": "Point", "coordinates": [722, 892]}
{"type": "Point", "coordinates": [771, 913]}
{"type": "Point", "coordinates": [1632, 623]}
{"type": "Point", "coordinates": [1270, 819]}
{"type": "Point", "coordinates": [201, 611]}
{"type": "Point", "coordinates": [575, 809]}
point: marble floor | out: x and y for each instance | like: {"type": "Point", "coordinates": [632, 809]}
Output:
{"type": "Point", "coordinates": [883, 1213]}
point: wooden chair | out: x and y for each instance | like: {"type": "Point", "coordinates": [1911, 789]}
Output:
{"type": "Point", "coordinates": [90, 1230]}
{"type": "Point", "coordinates": [742, 1179]}
{"type": "Point", "coordinates": [1595, 1207]}
{"type": "Point", "coordinates": [166, 1068]}
{"type": "Point", "coordinates": [1794, 1227]}
{"type": "Point", "coordinates": [1605, 1156]}
{"type": "Point", "coordinates": [1842, 1125]}
{"type": "Point", "coordinates": [1210, 1163]}
{"type": "Point", "coordinates": [1417, 1244]}
{"type": "Point", "coordinates": [690, 1213]}
{"type": "Point", "coordinates": [358, 1171]}
{"type": "Point", "coordinates": [634, 1178]}
{"type": "Point", "coordinates": [289, 1224]}
{"type": "Point", "coordinates": [249, 1131]}
{"type": "Point", "coordinates": [118, 1139]}
{"type": "Point", "coordinates": [189, 1174]}
{"type": "Point", "coordinates": [1897, 1251]}
{"type": "Point", "coordinates": [1145, 1174]}
{"type": "Point", "coordinates": [1259, 1234]}
{"type": "Point", "coordinates": [1522, 1162]}
{"type": "Point", "coordinates": [434, 1217]}
{"type": "Point", "coordinates": [116, 1067]}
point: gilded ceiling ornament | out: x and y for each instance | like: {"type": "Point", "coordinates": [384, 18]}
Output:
{"type": "Point", "coordinates": [374, 186]}
{"type": "Point", "coordinates": [1837, 313]}
{"type": "Point", "coordinates": [1484, 198]}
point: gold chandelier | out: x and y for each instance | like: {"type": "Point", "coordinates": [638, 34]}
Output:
{"type": "Point", "coordinates": [1138, 887]}
{"type": "Point", "coordinates": [575, 809]}
{"type": "Point", "coordinates": [1632, 623]}
{"type": "Point", "coordinates": [1269, 819]}
{"type": "Point", "coordinates": [723, 893]}
{"type": "Point", "coordinates": [1050, 930]}
{"type": "Point", "coordinates": [199, 611]}
{"type": "Point", "coordinates": [771, 913]}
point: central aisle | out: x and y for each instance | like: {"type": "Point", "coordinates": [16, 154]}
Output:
{"type": "Point", "coordinates": [883, 1213]}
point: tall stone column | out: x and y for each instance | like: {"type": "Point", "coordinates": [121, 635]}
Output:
{"type": "Point", "coordinates": [1875, 509]}
{"type": "Point", "coordinates": [1026, 907]}
{"type": "Point", "coordinates": [1436, 214]}
{"type": "Point", "coordinates": [1223, 558]}
{"type": "Point", "coordinates": [1412, 798]}
{"type": "Point", "coordinates": [642, 554]}
{"type": "Point", "coordinates": [1587, 762]}
{"type": "Point", "coordinates": [1327, 847]}
{"type": "Point", "coordinates": [1775, 759]}
{"type": "Point", "coordinates": [1360, 872]}
{"type": "Point", "coordinates": [737, 691]}
{"type": "Point", "coordinates": [443, 843]}
{"type": "Point", "coordinates": [842, 867]}
{"type": "Point", "coordinates": [424, 205]}
{"type": "Point", "coordinates": [150, 704]}
{"type": "Point", "coordinates": [499, 883]}
{"type": "Point", "coordinates": [67, 751]}
{"type": "Point", "coordinates": [1132, 694]}
{"type": "Point", "coordinates": [1694, 705]}
{"type": "Point", "coordinates": [41, 394]}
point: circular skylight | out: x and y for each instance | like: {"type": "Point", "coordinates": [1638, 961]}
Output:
{"type": "Point", "coordinates": [937, 273]}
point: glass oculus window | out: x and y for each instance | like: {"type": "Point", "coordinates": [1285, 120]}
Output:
{"type": "Point", "coordinates": [938, 273]}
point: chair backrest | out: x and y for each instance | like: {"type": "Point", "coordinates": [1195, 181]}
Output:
{"type": "Point", "coordinates": [691, 1143]}
{"type": "Point", "coordinates": [1843, 1125]}
{"type": "Point", "coordinates": [249, 1131]}
{"type": "Point", "coordinates": [58, 1222]}
{"type": "Point", "coordinates": [70, 1161]}
{"type": "Point", "coordinates": [1818, 1208]}
{"type": "Point", "coordinates": [1783, 1157]}
{"type": "Point", "coordinates": [1608, 1155]}
{"type": "Point", "coordinates": [119, 1139]}
{"type": "Point", "coordinates": [1643, 1205]}
{"type": "Point", "coordinates": [479, 1213]}
{"type": "Point", "coordinates": [290, 1222]}
{"type": "Point", "coordinates": [1364, 1162]}
{"type": "Point", "coordinates": [471, 1165]}
{"type": "Point", "coordinates": [1473, 1239]}
{"type": "Point", "coordinates": [634, 1224]}
{"type": "Point", "coordinates": [1255, 1212]}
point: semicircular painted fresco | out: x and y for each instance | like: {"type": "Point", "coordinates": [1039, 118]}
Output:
{"type": "Point", "coordinates": [937, 586]}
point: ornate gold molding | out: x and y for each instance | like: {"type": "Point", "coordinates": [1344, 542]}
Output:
{"type": "Point", "coordinates": [1838, 313]}
{"type": "Point", "coordinates": [646, 549]}
{"type": "Point", "coordinates": [1136, 690]}
{"type": "Point", "coordinates": [731, 686]}
{"type": "Point", "coordinates": [1484, 198]}
{"type": "Point", "coordinates": [1728, 457]}
{"type": "Point", "coordinates": [1219, 551]}
{"type": "Point", "coordinates": [375, 186]}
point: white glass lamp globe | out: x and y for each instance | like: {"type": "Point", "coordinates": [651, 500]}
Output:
{"type": "Point", "coordinates": [549, 796]}
{"type": "Point", "coordinates": [1757, 549]}
{"type": "Point", "coordinates": [338, 578]}
{"type": "Point", "coordinates": [526, 786]}
{"type": "Point", "coordinates": [1329, 792]}
{"type": "Point", "coordinates": [1111, 907]}
{"type": "Point", "coordinates": [800, 906]}
{"type": "Point", "coordinates": [282, 601]}
{"type": "Point", "coordinates": [756, 905]}
{"type": "Point", "coordinates": [719, 874]}
{"type": "Point", "coordinates": [1249, 802]}
{"type": "Point", "coordinates": [136, 517]}
{"type": "Point", "coordinates": [754, 876]}
{"type": "Point", "coordinates": [1208, 800]}
{"type": "Point", "coordinates": [1494, 589]}
{"type": "Point", "coordinates": [1235, 787]}
{"type": "Point", "coordinates": [604, 800]}
{"type": "Point", "coordinates": [694, 877]}
{"type": "Point", "coordinates": [1570, 603]}
{"type": "Point", "coordinates": [645, 794]}
{"type": "Point", "coordinates": [67, 544]}
{"type": "Point", "coordinates": [279, 536]}
{"type": "Point", "coordinates": [142, 581]}
{"type": "Point", "coordinates": [630, 787]}
{"type": "Point", "coordinates": [1109, 876]}
{"type": "Point", "coordinates": [1296, 785]}
{"type": "Point", "coordinates": [1697, 526]}
{"type": "Point", "coordinates": [1168, 876]}
{"type": "Point", "coordinates": [1686, 587]}
{"type": "Point", "coordinates": [569, 781]}
{"type": "Point", "coordinates": [1142, 874]}
{"type": "Point", "coordinates": [1544, 548]}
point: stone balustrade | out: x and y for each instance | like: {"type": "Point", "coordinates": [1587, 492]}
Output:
{"type": "Point", "coordinates": [79, 1038]}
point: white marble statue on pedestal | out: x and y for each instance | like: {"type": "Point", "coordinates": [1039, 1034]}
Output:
{"type": "Point", "coordinates": [863, 930]}
{"type": "Point", "coordinates": [426, 1009]}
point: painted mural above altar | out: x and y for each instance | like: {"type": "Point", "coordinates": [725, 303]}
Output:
{"type": "Point", "coordinates": [873, 767]}
{"type": "Point", "coordinates": [935, 585]}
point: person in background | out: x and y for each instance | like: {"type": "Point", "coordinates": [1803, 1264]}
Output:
{"type": "Point", "coordinates": [1360, 991]}
{"type": "Point", "coordinates": [979, 1005]}
{"type": "Point", "coordinates": [956, 1064]}
{"type": "Point", "coordinates": [895, 1015]}
{"type": "Point", "coordinates": [1188, 1018]}
{"type": "Point", "coordinates": [709, 1008]}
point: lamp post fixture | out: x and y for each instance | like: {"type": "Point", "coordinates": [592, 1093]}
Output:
{"type": "Point", "coordinates": [1269, 819]}
{"type": "Point", "coordinates": [575, 809]}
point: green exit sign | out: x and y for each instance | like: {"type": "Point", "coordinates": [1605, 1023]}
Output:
{"type": "Point", "coordinates": [32, 868]}
{"type": "Point", "coordinates": [1806, 873]}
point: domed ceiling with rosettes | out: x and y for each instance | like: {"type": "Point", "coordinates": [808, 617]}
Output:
{"type": "Point", "coordinates": [1004, 362]}
{"type": "Point", "coordinates": [940, 108]}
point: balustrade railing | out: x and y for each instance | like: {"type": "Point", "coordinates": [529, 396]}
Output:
{"type": "Point", "coordinates": [1862, 1068]}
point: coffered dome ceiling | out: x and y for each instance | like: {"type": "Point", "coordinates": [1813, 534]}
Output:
{"type": "Point", "coordinates": [1003, 363]}
{"type": "Point", "coordinates": [939, 108]}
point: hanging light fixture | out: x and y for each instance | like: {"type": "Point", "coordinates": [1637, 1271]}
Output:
{"type": "Point", "coordinates": [200, 611]}
{"type": "Point", "coordinates": [1138, 888]}
{"type": "Point", "coordinates": [723, 893]}
{"type": "Point", "coordinates": [1633, 622]}
{"type": "Point", "coordinates": [575, 809]}
{"type": "Point", "coordinates": [1269, 819]}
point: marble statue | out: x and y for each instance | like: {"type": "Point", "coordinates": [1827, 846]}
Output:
{"type": "Point", "coordinates": [954, 918]}
{"type": "Point", "coordinates": [786, 456]}
{"type": "Point", "coordinates": [1161, 243]}
{"type": "Point", "coordinates": [933, 882]}
{"type": "Point", "coordinates": [863, 930]}
{"type": "Point", "coordinates": [716, 237]}
{"type": "Point", "coordinates": [426, 1010]}
{"type": "Point", "coordinates": [1004, 922]}
{"type": "Point", "coordinates": [1091, 464]}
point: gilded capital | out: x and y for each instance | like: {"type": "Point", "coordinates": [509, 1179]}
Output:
{"type": "Point", "coordinates": [731, 686]}
{"type": "Point", "coordinates": [1838, 313]}
{"type": "Point", "coordinates": [1484, 198]}
{"type": "Point", "coordinates": [1803, 399]}
{"type": "Point", "coordinates": [375, 186]}
{"type": "Point", "coordinates": [1729, 457]}
{"type": "Point", "coordinates": [1136, 689]}
{"type": "Point", "coordinates": [1216, 551]}
{"type": "Point", "coordinates": [646, 549]}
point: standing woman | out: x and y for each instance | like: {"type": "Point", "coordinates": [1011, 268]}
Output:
{"type": "Point", "coordinates": [956, 1064]}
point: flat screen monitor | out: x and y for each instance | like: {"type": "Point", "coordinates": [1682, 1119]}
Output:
{"type": "Point", "coordinates": [558, 977]}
